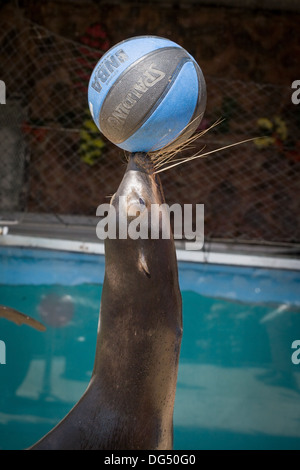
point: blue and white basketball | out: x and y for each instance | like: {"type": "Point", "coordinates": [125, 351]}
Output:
{"type": "Point", "coordinates": [147, 93]}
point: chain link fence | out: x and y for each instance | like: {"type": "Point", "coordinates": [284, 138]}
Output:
{"type": "Point", "coordinates": [55, 161]}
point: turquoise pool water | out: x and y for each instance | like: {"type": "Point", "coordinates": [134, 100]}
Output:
{"type": "Point", "coordinates": [238, 387]}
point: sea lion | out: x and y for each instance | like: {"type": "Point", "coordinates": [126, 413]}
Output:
{"type": "Point", "coordinates": [19, 318]}
{"type": "Point", "coordinates": [129, 401]}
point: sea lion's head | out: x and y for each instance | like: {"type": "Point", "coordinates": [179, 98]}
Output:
{"type": "Point", "coordinates": [141, 217]}
{"type": "Point", "coordinates": [140, 188]}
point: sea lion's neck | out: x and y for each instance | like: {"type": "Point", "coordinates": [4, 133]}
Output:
{"type": "Point", "coordinates": [139, 339]}
{"type": "Point", "coordinates": [137, 311]}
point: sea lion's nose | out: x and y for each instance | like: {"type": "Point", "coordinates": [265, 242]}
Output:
{"type": "Point", "coordinates": [140, 162]}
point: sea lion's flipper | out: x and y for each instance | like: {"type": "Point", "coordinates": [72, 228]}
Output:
{"type": "Point", "coordinates": [19, 318]}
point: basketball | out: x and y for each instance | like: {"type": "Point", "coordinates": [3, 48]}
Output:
{"type": "Point", "coordinates": [147, 93]}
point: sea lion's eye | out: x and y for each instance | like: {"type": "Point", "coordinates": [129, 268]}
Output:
{"type": "Point", "coordinates": [136, 207]}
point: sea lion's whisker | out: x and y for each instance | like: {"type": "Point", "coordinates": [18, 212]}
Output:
{"type": "Point", "coordinates": [171, 147]}
{"type": "Point", "coordinates": [183, 159]}
{"type": "Point", "coordinates": [164, 156]}
{"type": "Point", "coordinates": [201, 155]}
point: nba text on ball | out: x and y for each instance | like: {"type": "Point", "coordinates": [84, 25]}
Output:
{"type": "Point", "coordinates": [104, 71]}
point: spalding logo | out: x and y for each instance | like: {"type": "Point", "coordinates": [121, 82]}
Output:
{"type": "Point", "coordinates": [104, 71]}
{"type": "Point", "coordinates": [149, 78]}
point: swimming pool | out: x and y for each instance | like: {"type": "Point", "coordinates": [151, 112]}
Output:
{"type": "Point", "coordinates": [238, 387]}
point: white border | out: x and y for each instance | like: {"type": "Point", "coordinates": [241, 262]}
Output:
{"type": "Point", "coordinates": [192, 256]}
{"type": "Point", "coordinates": [236, 259]}
{"type": "Point", "coordinates": [52, 244]}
